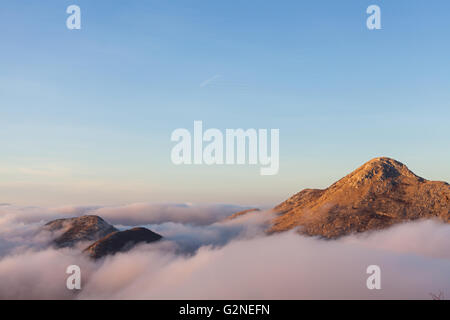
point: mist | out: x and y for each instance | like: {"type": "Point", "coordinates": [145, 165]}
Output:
{"type": "Point", "coordinates": [227, 260]}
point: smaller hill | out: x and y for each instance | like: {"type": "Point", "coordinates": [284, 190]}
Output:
{"type": "Point", "coordinates": [121, 241]}
{"type": "Point", "coordinates": [73, 230]}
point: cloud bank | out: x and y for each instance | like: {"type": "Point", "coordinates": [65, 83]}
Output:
{"type": "Point", "coordinates": [128, 215]}
{"type": "Point", "coordinates": [228, 260]}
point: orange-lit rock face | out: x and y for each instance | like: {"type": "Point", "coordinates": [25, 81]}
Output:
{"type": "Point", "coordinates": [380, 193]}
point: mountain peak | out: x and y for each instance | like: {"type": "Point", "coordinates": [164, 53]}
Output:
{"type": "Point", "coordinates": [378, 170]}
{"type": "Point", "coordinates": [380, 193]}
{"type": "Point", "coordinates": [387, 166]}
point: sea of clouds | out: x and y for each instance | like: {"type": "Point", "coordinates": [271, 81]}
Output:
{"type": "Point", "coordinates": [205, 256]}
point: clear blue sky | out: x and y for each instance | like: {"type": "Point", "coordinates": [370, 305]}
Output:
{"type": "Point", "coordinates": [86, 115]}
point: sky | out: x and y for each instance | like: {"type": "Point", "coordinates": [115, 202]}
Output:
{"type": "Point", "coordinates": [86, 115]}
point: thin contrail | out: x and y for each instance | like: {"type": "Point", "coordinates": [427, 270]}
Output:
{"type": "Point", "coordinates": [206, 82]}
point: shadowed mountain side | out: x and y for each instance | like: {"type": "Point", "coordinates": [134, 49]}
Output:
{"type": "Point", "coordinates": [380, 193]}
{"type": "Point", "coordinates": [121, 241]}
{"type": "Point", "coordinates": [73, 230]}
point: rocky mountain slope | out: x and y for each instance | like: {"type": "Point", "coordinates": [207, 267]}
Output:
{"type": "Point", "coordinates": [73, 230]}
{"type": "Point", "coordinates": [121, 241]}
{"type": "Point", "coordinates": [380, 193]}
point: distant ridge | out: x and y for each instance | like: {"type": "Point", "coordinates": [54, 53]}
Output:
{"type": "Point", "coordinates": [380, 193]}
{"type": "Point", "coordinates": [242, 213]}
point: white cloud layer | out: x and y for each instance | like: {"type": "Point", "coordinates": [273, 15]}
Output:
{"type": "Point", "coordinates": [227, 260]}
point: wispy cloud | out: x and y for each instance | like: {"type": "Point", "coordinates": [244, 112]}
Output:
{"type": "Point", "coordinates": [40, 169]}
{"type": "Point", "coordinates": [210, 80]}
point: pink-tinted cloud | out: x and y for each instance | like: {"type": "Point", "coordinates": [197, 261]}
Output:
{"type": "Point", "coordinates": [413, 257]}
